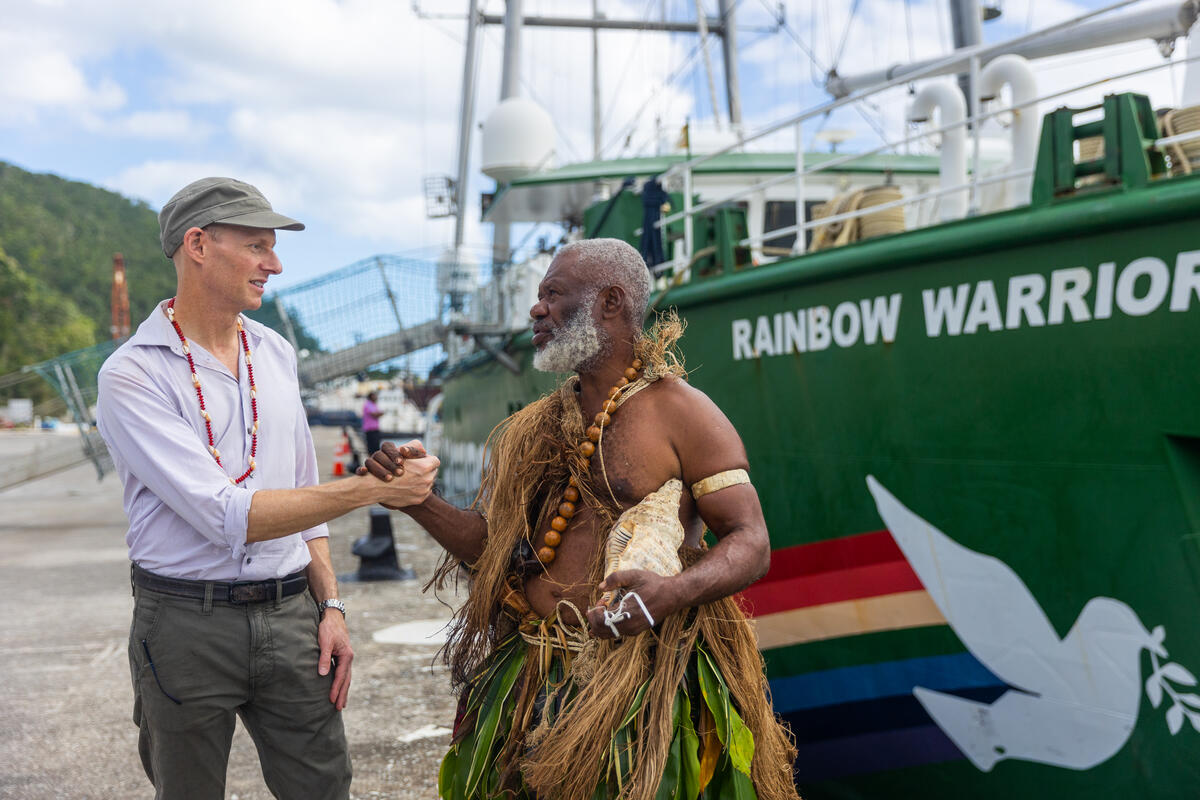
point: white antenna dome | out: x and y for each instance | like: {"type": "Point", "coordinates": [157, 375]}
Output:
{"type": "Point", "coordinates": [518, 138]}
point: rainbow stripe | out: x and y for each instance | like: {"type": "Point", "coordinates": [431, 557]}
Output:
{"type": "Point", "coordinates": [860, 717]}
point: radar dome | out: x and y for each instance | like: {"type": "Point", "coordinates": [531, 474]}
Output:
{"type": "Point", "coordinates": [518, 138]}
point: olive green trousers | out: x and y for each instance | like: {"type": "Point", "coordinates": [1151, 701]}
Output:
{"type": "Point", "coordinates": [196, 665]}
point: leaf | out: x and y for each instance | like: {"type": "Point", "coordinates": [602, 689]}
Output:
{"type": "Point", "coordinates": [1177, 673]}
{"type": "Point", "coordinates": [691, 750]}
{"type": "Point", "coordinates": [1193, 718]}
{"type": "Point", "coordinates": [493, 710]}
{"type": "Point", "coordinates": [668, 784]}
{"type": "Point", "coordinates": [1175, 719]}
{"type": "Point", "coordinates": [712, 746]}
{"type": "Point", "coordinates": [446, 774]}
{"type": "Point", "coordinates": [1154, 690]}
{"type": "Point", "coordinates": [1192, 700]}
{"type": "Point", "coordinates": [736, 737]}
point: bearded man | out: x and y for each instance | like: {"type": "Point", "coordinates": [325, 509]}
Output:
{"type": "Point", "coordinates": [600, 652]}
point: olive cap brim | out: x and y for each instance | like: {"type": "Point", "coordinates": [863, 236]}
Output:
{"type": "Point", "coordinates": [217, 200]}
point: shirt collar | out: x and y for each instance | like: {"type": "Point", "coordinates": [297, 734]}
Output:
{"type": "Point", "coordinates": [157, 331]}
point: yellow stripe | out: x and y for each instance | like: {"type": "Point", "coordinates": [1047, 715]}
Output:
{"type": "Point", "coordinates": [887, 612]}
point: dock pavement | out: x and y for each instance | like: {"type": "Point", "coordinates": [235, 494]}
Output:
{"type": "Point", "coordinates": [67, 727]}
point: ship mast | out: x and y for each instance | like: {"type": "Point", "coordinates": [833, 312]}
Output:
{"type": "Point", "coordinates": [966, 18]}
{"type": "Point", "coordinates": [724, 25]}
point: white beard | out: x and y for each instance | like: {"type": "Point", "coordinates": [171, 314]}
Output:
{"type": "Point", "coordinates": [575, 345]}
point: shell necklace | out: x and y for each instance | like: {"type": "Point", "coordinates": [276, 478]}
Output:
{"type": "Point", "coordinates": [187, 352]}
{"type": "Point", "coordinates": [566, 508]}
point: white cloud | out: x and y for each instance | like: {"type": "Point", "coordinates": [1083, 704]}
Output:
{"type": "Point", "coordinates": [338, 109]}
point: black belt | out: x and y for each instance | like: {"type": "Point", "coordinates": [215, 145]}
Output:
{"type": "Point", "coordinates": [242, 592]}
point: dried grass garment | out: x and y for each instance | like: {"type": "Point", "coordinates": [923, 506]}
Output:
{"type": "Point", "coordinates": [611, 717]}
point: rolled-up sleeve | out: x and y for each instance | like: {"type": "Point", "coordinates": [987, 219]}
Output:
{"type": "Point", "coordinates": [146, 433]}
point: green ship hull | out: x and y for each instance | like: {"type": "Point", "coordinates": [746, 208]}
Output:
{"type": "Point", "coordinates": [978, 452]}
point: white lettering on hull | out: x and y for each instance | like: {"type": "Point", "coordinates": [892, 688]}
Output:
{"type": "Point", "coordinates": [1070, 295]}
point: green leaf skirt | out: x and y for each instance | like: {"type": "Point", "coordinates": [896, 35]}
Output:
{"type": "Point", "coordinates": [709, 756]}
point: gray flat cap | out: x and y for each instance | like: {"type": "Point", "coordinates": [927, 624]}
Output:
{"type": "Point", "coordinates": [210, 200]}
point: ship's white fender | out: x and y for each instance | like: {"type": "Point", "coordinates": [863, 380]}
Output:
{"type": "Point", "coordinates": [1015, 72]}
{"type": "Point", "coordinates": [946, 98]}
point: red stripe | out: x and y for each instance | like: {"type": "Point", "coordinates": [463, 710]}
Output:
{"type": "Point", "coordinates": [834, 586]}
{"type": "Point", "coordinates": [847, 552]}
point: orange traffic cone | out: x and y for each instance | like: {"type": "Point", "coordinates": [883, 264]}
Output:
{"type": "Point", "coordinates": [341, 455]}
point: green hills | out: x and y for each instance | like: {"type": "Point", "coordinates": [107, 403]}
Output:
{"type": "Point", "coordinates": [57, 239]}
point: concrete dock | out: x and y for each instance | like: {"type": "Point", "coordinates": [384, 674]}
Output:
{"type": "Point", "coordinates": [67, 728]}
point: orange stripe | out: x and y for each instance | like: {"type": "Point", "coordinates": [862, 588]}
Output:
{"type": "Point", "coordinates": [848, 618]}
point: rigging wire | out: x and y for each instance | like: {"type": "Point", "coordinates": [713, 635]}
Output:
{"type": "Point", "coordinates": [636, 51]}
{"type": "Point", "coordinates": [912, 56]}
{"type": "Point", "coordinates": [941, 23]}
{"type": "Point", "coordinates": [814, 61]}
{"type": "Point", "coordinates": [675, 76]}
{"type": "Point", "coordinates": [845, 34]}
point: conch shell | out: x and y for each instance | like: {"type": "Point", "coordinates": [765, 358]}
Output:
{"type": "Point", "coordinates": [647, 536]}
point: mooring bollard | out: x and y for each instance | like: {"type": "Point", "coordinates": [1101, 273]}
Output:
{"type": "Point", "coordinates": [377, 552]}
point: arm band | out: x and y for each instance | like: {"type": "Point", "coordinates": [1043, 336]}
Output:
{"type": "Point", "coordinates": [722, 480]}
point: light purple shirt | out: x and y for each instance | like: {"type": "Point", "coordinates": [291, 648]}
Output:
{"type": "Point", "coordinates": [369, 421]}
{"type": "Point", "coordinates": [186, 517]}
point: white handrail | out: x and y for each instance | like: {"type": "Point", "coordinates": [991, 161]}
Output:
{"type": "Point", "coordinates": [924, 134]}
{"type": "Point", "coordinates": [862, 212]}
{"type": "Point", "coordinates": [700, 207]}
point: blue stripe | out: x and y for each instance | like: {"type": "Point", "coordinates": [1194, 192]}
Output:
{"type": "Point", "coordinates": [883, 679]}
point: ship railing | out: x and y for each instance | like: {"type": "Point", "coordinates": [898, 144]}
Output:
{"type": "Point", "coordinates": [976, 178]}
{"type": "Point", "coordinates": [973, 58]}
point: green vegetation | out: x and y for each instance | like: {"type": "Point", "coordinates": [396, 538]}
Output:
{"type": "Point", "coordinates": [57, 239]}
{"type": "Point", "coordinates": [63, 235]}
{"type": "Point", "coordinates": [36, 323]}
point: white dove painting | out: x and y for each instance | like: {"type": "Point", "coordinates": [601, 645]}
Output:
{"type": "Point", "coordinates": [1072, 702]}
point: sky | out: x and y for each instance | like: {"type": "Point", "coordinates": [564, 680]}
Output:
{"type": "Point", "coordinates": [338, 109]}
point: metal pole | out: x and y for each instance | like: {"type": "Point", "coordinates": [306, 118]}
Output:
{"type": "Point", "coordinates": [391, 297]}
{"type": "Point", "coordinates": [596, 145]}
{"type": "Point", "coordinates": [1083, 32]}
{"type": "Point", "coordinates": [966, 19]}
{"type": "Point", "coordinates": [687, 220]}
{"type": "Point", "coordinates": [465, 118]}
{"type": "Point", "coordinates": [510, 79]}
{"type": "Point", "coordinates": [702, 24]}
{"type": "Point", "coordinates": [511, 70]}
{"type": "Point", "coordinates": [973, 111]}
{"type": "Point", "coordinates": [800, 244]}
{"type": "Point", "coordinates": [714, 25]}
{"type": "Point", "coordinates": [728, 12]}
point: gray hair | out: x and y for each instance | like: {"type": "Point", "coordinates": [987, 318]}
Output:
{"type": "Point", "coordinates": [613, 262]}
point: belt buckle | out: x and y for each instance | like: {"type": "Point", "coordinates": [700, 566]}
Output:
{"type": "Point", "coordinates": [248, 593]}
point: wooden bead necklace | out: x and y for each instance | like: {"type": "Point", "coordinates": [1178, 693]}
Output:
{"type": "Point", "coordinates": [566, 508]}
{"type": "Point", "coordinates": [212, 445]}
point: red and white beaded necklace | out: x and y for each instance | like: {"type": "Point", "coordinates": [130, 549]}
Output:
{"type": "Point", "coordinates": [187, 352]}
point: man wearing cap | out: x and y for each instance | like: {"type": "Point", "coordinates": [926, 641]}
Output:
{"type": "Point", "coordinates": [236, 608]}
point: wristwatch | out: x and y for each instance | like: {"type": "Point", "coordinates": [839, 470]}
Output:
{"type": "Point", "coordinates": [332, 603]}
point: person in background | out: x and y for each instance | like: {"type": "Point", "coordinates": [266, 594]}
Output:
{"type": "Point", "coordinates": [370, 421]}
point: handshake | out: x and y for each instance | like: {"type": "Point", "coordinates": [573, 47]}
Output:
{"type": "Point", "coordinates": [408, 471]}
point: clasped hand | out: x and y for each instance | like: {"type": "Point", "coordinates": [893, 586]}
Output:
{"type": "Point", "coordinates": [408, 469]}
{"type": "Point", "coordinates": [656, 591]}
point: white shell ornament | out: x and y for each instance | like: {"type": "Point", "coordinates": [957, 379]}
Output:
{"type": "Point", "coordinates": [647, 536]}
